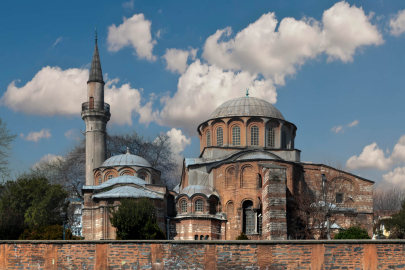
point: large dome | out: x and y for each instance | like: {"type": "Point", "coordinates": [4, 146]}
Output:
{"type": "Point", "coordinates": [126, 160]}
{"type": "Point", "coordinates": [246, 106]}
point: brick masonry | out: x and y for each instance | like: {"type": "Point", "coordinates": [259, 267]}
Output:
{"type": "Point", "coordinates": [103, 255]}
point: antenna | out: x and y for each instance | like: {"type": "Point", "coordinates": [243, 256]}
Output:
{"type": "Point", "coordinates": [247, 92]}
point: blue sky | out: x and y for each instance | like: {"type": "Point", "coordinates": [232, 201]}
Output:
{"type": "Point", "coordinates": [323, 64]}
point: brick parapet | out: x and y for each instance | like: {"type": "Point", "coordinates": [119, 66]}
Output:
{"type": "Point", "coordinates": [164, 254]}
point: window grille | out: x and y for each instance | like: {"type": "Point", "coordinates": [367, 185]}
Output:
{"type": "Point", "coordinates": [110, 176]}
{"type": "Point", "coordinates": [284, 139]}
{"type": "Point", "coordinates": [184, 207]}
{"type": "Point", "coordinates": [254, 136]}
{"type": "Point", "coordinates": [208, 138]}
{"type": "Point", "coordinates": [220, 134]}
{"type": "Point", "coordinates": [142, 177]}
{"type": "Point", "coordinates": [99, 180]}
{"type": "Point", "coordinates": [198, 205]}
{"type": "Point", "coordinates": [248, 218]}
{"type": "Point", "coordinates": [259, 224]}
{"type": "Point", "coordinates": [236, 135]}
{"type": "Point", "coordinates": [271, 139]}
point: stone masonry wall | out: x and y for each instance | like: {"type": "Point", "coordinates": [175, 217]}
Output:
{"type": "Point", "coordinates": [212, 255]}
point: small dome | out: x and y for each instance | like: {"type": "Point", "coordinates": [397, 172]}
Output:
{"type": "Point", "coordinates": [126, 160]}
{"type": "Point", "coordinates": [197, 189]}
{"type": "Point", "coordinates": [124, 179]}
{"type": "Point", "coordinates": [246, 106]}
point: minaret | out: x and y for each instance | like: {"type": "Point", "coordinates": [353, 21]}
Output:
{"type": "Point", "coordinates": [95, 114]}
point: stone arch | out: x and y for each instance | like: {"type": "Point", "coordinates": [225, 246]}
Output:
{"type": "Point", "coordinates": [127, 171]}
{"type": "Point", "coordinates": [248, 177]}
{"type": "Point", "coordinates": [109, 174]}
{"type": "Point", "coordinates": [230, 177]}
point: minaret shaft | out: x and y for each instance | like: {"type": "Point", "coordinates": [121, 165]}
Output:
{"type": "Point", "coordinates": [95, 114]}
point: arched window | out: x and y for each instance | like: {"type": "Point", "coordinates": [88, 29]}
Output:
{"type": "Point", "coordinates": [230, 176]}
{"type": "Point", "coordinates": [208, 138]}
{"type": "Point", "coordinates": [236, 135]}
{"type": "Point", "coordinates": [248, 218]}
{"type": "Point", "coordinates": [220, 134]}
{"type": "Point", "coordinates": [110, 176]}
{"type": "Point", "coordinates": [183, 206]}
{"type": "Point", "coordinates": [91, 103]}
{"type": "Point", "coordinates": [284, 139]}
{"type": "Point", "coordinates": [213, 207]}
{"type": "Point", "coordinates": [271, 137]}
{"type": "Point", "coordinates": [142, 177]}
{"type": "Point", "coordinates": [206, 237]}
{"type": "Point", "coordinates": [201, 237]}
{"type": "Point", "coordinates": [254, 135]}
{"type": "Point", "coordinates": [198, 205]}
{"type": "Point", "coordinates": [259, 180]}
{"type": "Point", "coordinates": [196, 237]}
{"type": "Point", "coordinates": [99, 180]}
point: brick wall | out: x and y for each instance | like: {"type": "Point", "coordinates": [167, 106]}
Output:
{"type": "Point", "coordinates": [102, 255]}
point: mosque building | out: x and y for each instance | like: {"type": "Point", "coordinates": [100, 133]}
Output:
{"type": "Point", "coordinates": [247, 178]}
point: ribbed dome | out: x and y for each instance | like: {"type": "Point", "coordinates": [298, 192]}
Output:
{"type": "Point", "coordinates": [197, 189]}
{"type": "Point", "coordinates": [246, 106]}
{"type": "Point", "coordinates": [126, 160]}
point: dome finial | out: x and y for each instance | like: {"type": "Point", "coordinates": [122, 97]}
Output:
{"type": "Point", "coordinates": [128, 151]}
{"type": "Point", "coordinates": [96, 34]}
{"type": "Point", "coordinates": [247, 92]}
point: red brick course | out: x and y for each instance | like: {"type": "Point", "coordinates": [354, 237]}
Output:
{"type": "Point", "coordinates": [103, 255]}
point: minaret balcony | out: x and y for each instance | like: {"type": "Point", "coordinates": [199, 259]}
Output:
{"type": "Point", "coordinates": [96, 107]}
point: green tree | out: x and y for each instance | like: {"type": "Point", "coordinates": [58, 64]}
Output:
{"type": "Point", "coordinates": [48, 232]}
{"type": "Point", "coordinates": [242, 236]}
{"type": "Point", "coordinates": [354, 232]}
{"type": "Point", "coordinates": [396, 225]}
{"type": "Point", "coordinates": [136, 220]}
{"type": "Point", "coordinates": [30, 202]}
{"type": "Point", "coordinates": [5, 147]}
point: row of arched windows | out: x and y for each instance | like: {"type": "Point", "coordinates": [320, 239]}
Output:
{"type": "Point", "coordinates": [254, 137]}
{"type": "Point", "coordinates": [198, 207]}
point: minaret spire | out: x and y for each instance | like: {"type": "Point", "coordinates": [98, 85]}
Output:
{"type": "Point", "coordinates": [96, 75]}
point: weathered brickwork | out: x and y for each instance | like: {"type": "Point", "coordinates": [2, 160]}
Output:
{"type": "Point", "coordinates": [103, 255]}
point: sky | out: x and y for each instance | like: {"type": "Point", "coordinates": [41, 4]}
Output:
{"type": "Point", "coordinates": [332, 68]}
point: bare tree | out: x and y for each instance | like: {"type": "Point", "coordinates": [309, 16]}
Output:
{"type": "Point", "coordinates": [5, 148]}
{"type": "Point", "coordinates": [324, 197]}
{"type": "Point", "coordinates": [388, 201]}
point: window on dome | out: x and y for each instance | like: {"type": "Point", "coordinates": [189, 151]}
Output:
{"type": "Point", "coordinates": [254, 135]}
{"type": "Point", "coordinates": [220, 133]}
{"type": "Point", "coordinates": [142, 177]}
{"type": "Point", "coordinates": [198, 205]}
{"type": "Point", "coordinates": [110, 176]}
{"type": "Point", "coordinates": [208, 138]}
{"type": "Point", "coordinates": [271, 139]}
{"type": "Point", "coordinates": [99, 180]}
{"type": "Point", "coordinates": [183, 207]}
{"type": "Point", "coordinates": [284, 139]}
{"type": "Point", "coordinates": [236, 135]}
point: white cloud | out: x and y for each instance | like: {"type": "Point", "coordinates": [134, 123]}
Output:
{"type": "Point", "coordinates": [47, 158]}
{"type": "Point", "coordinates": [35, 136]}
{"type": "Point", "coordinates": [128, 5]}
{"type": "Point", "coordinates": [398, 153]}
{"type": "Point", "coordinates": [135, 32]}
{"type": "Point", "coordinates": [396, 177]}
{"type": "Point", "coordinates": [74, 135]}
{"type": "Point", "coordinates": [158, 33]}
{"type": "Point", "coordinates": [46, 94]}
{"type": "Point", "coordinates": [337, 129]}
{"type": "Point", "coordinates": [178, 142]}
{"type": "Point", "coordinates": [260, 49]}
{"type": "Point", "coordinates": [372, 157]}
{"type": "Point", "coordinates": [177, 59]}
{"type": "Point", "coordinates": [59, 39]}
{"type": "Point", "coordinates": [202, 88]}
{"type": "Point", "coordinates": [397, 23]}
{"type": "Point", "coordinates": [354, 123]}
{"type": "Point", "coordinates": [54, 91]}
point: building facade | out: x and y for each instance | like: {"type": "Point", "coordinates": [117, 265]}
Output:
{"type": "Point", "coordinates": [248, 178]}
